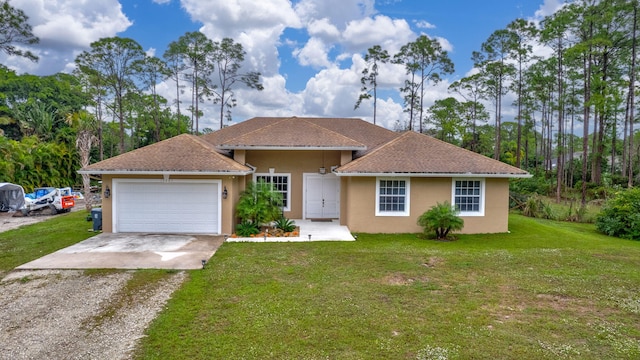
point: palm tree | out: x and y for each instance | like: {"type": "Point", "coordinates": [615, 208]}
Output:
{"type": "Point", "coordinates": [86, 127]}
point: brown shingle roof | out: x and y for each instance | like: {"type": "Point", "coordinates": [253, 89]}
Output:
{"type": "Point", "coordinates": [287, 133]}
{"type": "Point", "coordinates": [414, 153]}
{"type": "Point", "coordinates": [182, 153]}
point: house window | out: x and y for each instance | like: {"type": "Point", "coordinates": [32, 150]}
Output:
{"type": "Point", "coordinates": [468, 196]}
{"type": "Point", "coordinates": [280, 184]}
{"type": "Point", "coordinates": [392, 197]}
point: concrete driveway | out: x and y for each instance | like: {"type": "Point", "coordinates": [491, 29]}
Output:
{"type": "Point", "coordinates": [132, 251]}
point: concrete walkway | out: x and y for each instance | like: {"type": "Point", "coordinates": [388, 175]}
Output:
{"type": "Point", "coordinates": [309, 231]}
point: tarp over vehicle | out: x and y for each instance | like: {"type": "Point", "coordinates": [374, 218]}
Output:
{"type": "Point", "coordinates": [11, 197]}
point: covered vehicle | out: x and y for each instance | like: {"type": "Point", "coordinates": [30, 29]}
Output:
{"type": "Point", "coordinates": [11, 197]}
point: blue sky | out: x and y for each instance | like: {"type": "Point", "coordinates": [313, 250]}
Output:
{"type": "Point", "coordinates": [309, 51]}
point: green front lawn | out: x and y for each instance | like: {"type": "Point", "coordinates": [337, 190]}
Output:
{"type": "Point", "coordinates": [547, 290]}
{"type": "Point", "coordinates": [27, 243]}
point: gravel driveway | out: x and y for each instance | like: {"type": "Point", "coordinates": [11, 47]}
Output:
{"type": "Point", "coordinates": [67, 314]}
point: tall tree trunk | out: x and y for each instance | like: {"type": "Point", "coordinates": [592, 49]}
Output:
{"type": "Point", "coordinates": [632, 80]}
{"type": "Point", "coordinates": [585, 132]}
{"type": "Point", "coordinates": [560, 158]}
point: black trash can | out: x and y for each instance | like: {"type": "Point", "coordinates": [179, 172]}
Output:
{"type": "Point", "coordinates": [96, 215]}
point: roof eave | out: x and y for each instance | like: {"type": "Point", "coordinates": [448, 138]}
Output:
{"type": "Point", "coordinates": [435, 175]}
{"type": "Point", "coordinates": [250, 147]}
{"type": "Point", "coordinates": [160, 172]}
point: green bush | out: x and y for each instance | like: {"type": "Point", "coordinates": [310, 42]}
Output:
{"type": "Point", "coordinates": [259, 204]}
{"type": "Point", "coordinates": [285, 224]}
{"type": "Point", "coordinates": [620, 215]}
{"type": "Point", "coordinates": [441, 218]}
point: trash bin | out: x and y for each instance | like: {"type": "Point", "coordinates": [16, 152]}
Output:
{"type": "Point", "coordinates": [96, 215]}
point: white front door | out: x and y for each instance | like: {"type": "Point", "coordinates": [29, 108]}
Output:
{"type": "Point", "coordinates": [322, 196]}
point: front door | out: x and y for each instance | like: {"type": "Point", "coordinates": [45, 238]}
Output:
{"type": "Point", "coordinates": [322, 196]}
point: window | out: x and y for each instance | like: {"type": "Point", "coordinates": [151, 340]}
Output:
{"type": "Point", "coordinates": [280, 183]}
{"type": "Point", "coordinates": [392, 197]}
{"type": "Point", "coordinates": [468, 197]}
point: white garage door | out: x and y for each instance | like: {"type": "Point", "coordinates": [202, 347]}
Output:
{"type": "Point", "coordinates": [166, 207]}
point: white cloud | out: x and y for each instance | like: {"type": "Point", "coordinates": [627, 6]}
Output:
{"type": "Point", "coordinates": [230, 18]}
{"type": "Point", "coordinates": [314, 53]}
{"type": "Point", "coordinates": [390, 34]}
{"type": "Point", "coordinates": [61, 24]}
{"type": "Point", "coordinates": [65, 28]}
{"type": "Point", "coordinates": [549, 7]}
{"type": "Point", "coordinates": [444, 43]}
{"type": "Point", "coordinates": [339, 11]}
{"type": "Point", "coordinates": [422, 24]}
{"type": "Point", "coordinates": [324, 29]}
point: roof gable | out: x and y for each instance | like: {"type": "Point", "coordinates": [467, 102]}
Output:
{"type": "Point", "coordinates": [414, 153]}
{"type": "Point", "coordinates": [182, 153]}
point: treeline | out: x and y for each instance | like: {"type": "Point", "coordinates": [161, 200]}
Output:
{"type": "Point", "coordinates": [588, 82]}
{"type": "Point", "coordinates": [52, 125]}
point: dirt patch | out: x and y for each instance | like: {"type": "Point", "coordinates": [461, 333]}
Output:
{"type": "Point", "coordinates": [52, 314]}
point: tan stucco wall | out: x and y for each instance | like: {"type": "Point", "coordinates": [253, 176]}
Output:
{"type": "Point", "coordinates": [359, 204]}
{"type": "Point", "coordinates": [234, 185]}
{"type": "Point", "coordinates": [295, 163]}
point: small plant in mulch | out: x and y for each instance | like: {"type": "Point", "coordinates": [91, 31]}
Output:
{"type": "Point", "coordinates": [246, 228]}
{"type": "Point", "coordinates": [284, 224]}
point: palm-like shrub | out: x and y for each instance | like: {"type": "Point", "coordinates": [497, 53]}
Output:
{"type": "Point", "coordinates": [441, 219]}
{"type": "Point", "coordinates": [259, 204]}
{"type": "Point", "coordinates": [284, 224]}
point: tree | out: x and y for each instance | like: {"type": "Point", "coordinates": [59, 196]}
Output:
{"type": "Point", "coordinates": [472, 88]}
{"type": "Point", "coordinates": [196, 50]}
{"type": "Point", "coordinates": [227, 56]}
{"type": "Point", "coordinates": [85, 126]}
{"type": "Point", "coordinates": [36, 118]}
{"type": "Point", "coordinates": [175, 59]}
{"type": "Point", "coordinates": [425, 60]}
{"type": "Point", "coordinates": [524, 32]}
{"type": "Point", "coordinates": [112, 60]}
{"type": "Point", "coordinates": [375, 56]}
{"type": "Point", "coordinates": [442, 218]}
{"type": "Point", "coordinates": [447, 115]}
{"type": "Point", "coordinates": [151, 71]}
{"type": "Point", "coordinates": [493, 65]}
{"type": "Point", "coordinates": [14, 29]}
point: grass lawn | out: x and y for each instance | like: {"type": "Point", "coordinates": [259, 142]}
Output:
{"type": "Point", "coordinates": [27, 243]}
{"type": "Point", "coordinates": [547, 290]}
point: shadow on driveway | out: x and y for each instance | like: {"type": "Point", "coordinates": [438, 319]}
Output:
{"type": "Point", "coordinates": [132, 251]}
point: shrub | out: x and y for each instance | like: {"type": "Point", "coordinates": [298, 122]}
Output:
{"type": "Point", "coordinates": [259, 204]}
{"type": "Point", "coordinates": [535, 207]}
{"type": "Point", "coordinates": [285, 224]}
{"type": "Point", "coordinates": [441, 218]}
{"type": "Point", "coordinates": [246, 228]}
{"type": "Point", "coordinates": [620, 215]}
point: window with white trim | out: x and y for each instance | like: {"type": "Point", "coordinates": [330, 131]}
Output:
{"type": "Point", "coordinates": [392, 197]}
{"type": "Point", "coordinates": [280, 184]}
{"type": "Point", "coordinates": [468, 196]}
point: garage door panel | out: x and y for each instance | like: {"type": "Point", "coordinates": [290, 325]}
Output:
{"type": "Point", "coordinates": [174, 207]}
